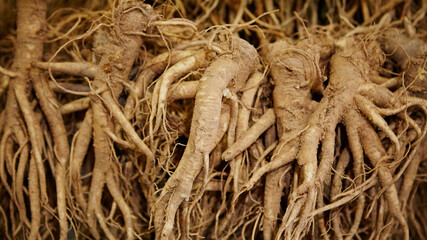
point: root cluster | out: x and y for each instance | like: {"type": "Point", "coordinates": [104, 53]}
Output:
{"type": "Point", "coordinates": [214, 120]}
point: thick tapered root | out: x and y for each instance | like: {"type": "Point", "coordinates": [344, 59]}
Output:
{"type": "Point", "coordinates": [202, 136]}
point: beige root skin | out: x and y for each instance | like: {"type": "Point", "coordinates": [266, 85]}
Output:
{"type": "Point", "coordinates": [120, 68]}
{"type": "Point", "coordinates": [175, 72]}
{"type": "Point", "coordinates": [154, 68]}
{"type": "Point", "coordinates": [250, 136]}
{"type": "Point", "coordinates": [335, 134]}
{"type": "Point", "coordinates": [216, 78]}
{"type": "Point", "coordinates": [374, 150]}
{"type": "Point", "coordinates": [73, 68]}
{"type": "Point", "coordinates": [50, 108]}
{"type": "Point", "coordinates": [291, 98]}
{"type": "Point", "coordinates": [31, 23]}
{"type": "Point", "coordinates": [77, 156]}
{"type": "Point", "coordinates": [339, 107]}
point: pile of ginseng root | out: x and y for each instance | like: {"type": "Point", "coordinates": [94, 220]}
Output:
{"type": "Point", "coordinates": [191, 119]}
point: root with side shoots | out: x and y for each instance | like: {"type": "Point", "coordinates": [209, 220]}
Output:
{"type": "Point", "coordinates": [348, 63]}
{"type": "Point", "coordinates": [341, 102]}
{"type": "Point", "coordinates": [31, 23]}
{"type": "Point", "coordinates": [224, 71]}
{"type": "Point", "coordinates": [259, 120]}
{"type": "Point", "coordinates": [293, 70]}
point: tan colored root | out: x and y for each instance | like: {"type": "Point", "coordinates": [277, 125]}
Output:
{"type": "Point", "coordinates": [84, 69]}
{"type": "Point", "coordinates": [34, 192]}
{"type": "Point", "coordinates": [77, 156]}
{"type": "Point", "coordinates": [66, 87]}
{"type": "Point", "coordinates": [183, 90]}
{"type": "Point", "coordinates": [177, 71]}
{"type": "Point", "coordinates": [321, 217]}
{"type": "Point", "coordinates": [342, 163]}
{"type": "Point", "coordinates": [61, 148]}
{"type": "Point", "coordinates": [35, 139]}
{"type": "Point", "coordinates": [208, 103]}
{"type": "Point", "coordinates": [286, 153]}
{"type": "Point", "coordinates": [367, 108]}
{"type": "Point", "coordinates": [358, 161]}
{"type": "Point", "coordinates": [410, 175]}
{"type": "Point", "coordinates": [75, 106]}
{"type": "Point", "coordinates": [250, 136]}
{"type": "Point", "coordinates": [3, 174]}
{"type": "Point", "coordinates": [102, 163]}
{"type": "Point", "coordinates": [375, 151]}
{"type": "Point", "coordinates": [327, 157]}
{"type": "Point", "coordinates": [115, 110]}
{"type": "Point", "coordinates": [239, 124]}
{"type": "Point", "coordinates": [19, 180]}
{"type": "Point", "coordinates": [155, 67]}
{"type": "Point", "coordinates": [231, 137]}
{"type": "Point", "coordinates": [118, 198]}
{"type": "Point", "coordinates": [189, 194]}
{"type": "Point", "coordinates": [273, 186]}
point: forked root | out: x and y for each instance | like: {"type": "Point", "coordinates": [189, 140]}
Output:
{"type": "Point", "coordinates": [205, 122]}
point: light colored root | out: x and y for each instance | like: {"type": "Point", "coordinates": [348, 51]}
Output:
{"type": "Point", "coordinates": [205, 123]}
{"type": "Point", "coordinates": [368, 109]}
{"type": "Point", "coordinates": [118, 198]}
{"type": "Point", "coordinates": [342, 163]}
{"type": "Point", "coordinates": [375, 152]}
{"type": "Point", "coordinates": [127, 127]}
{"type": "Point", "coordinates": [304, 221]}
{"type": "Point", "coordinates": [62, 150]}
{"type": "Point", "coordinates": [251, 135]}
{"type": "Point", "coordinates": [35, 138]}
{"type": "Point", "coordinates": [309, 142]}
{"type": "Point", "coordinates": [177, 71]}
{"type": "Point", "coordinates": [84, 69]}
{"type": "Point", "coordinates": [377, 94]}
{"type": "Point", "coordinates": [3, 175]}
{"type": "Point", "coordinates": [80, 89]}
{"type": "Point", "coordinates": [101, 219]}
{"type": "Point", "coordinates": [75, 106]}
{"type": "Point", "coordinates": [289, 218]}
{"type": "Point", "coordinates": [321, 217]}
{"type": "Point", "coordinates": [306, 157]}
{"type": "Point", "coordinates": [410, 175]}
{"type": "Point", "coordinates": [235, 164]}
{"type": "Point", "coordinates": [234, 114]}
{"type": "Point", "coordinates": [284, 154]}
{"type": "Point", "coordinates": [19, 180]}
{"type": "Point", "coordinates": [183, 90]}
{"type": "Point", "coordinates": [326, 157]}
{"type": "Point", "coordinates": [224, 122]}
{"type": "Point", "coordinates": [102, 163]}
{"type": "Point", "coordinates": [34, 192]}
{"type": "Point", "coordinates": [358, 161]}
{"type": "Point", "coordinates": [247, 100]}
{"type": "Point", "coordinates": [272, 198]}
{"type": "Point", "coordinates": [78, 154]}
{"type": "Point", "coordinates": [156, 66]}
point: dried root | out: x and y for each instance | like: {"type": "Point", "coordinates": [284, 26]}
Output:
{"type": "Point", "coordinates": [261, 119]}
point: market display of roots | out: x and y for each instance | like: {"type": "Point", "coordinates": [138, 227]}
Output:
{"type": "Point", "coordinates": [213, 120]}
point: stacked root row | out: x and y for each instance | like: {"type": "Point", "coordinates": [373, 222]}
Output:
{"type": "Point", "coordinates": [139, 122]}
